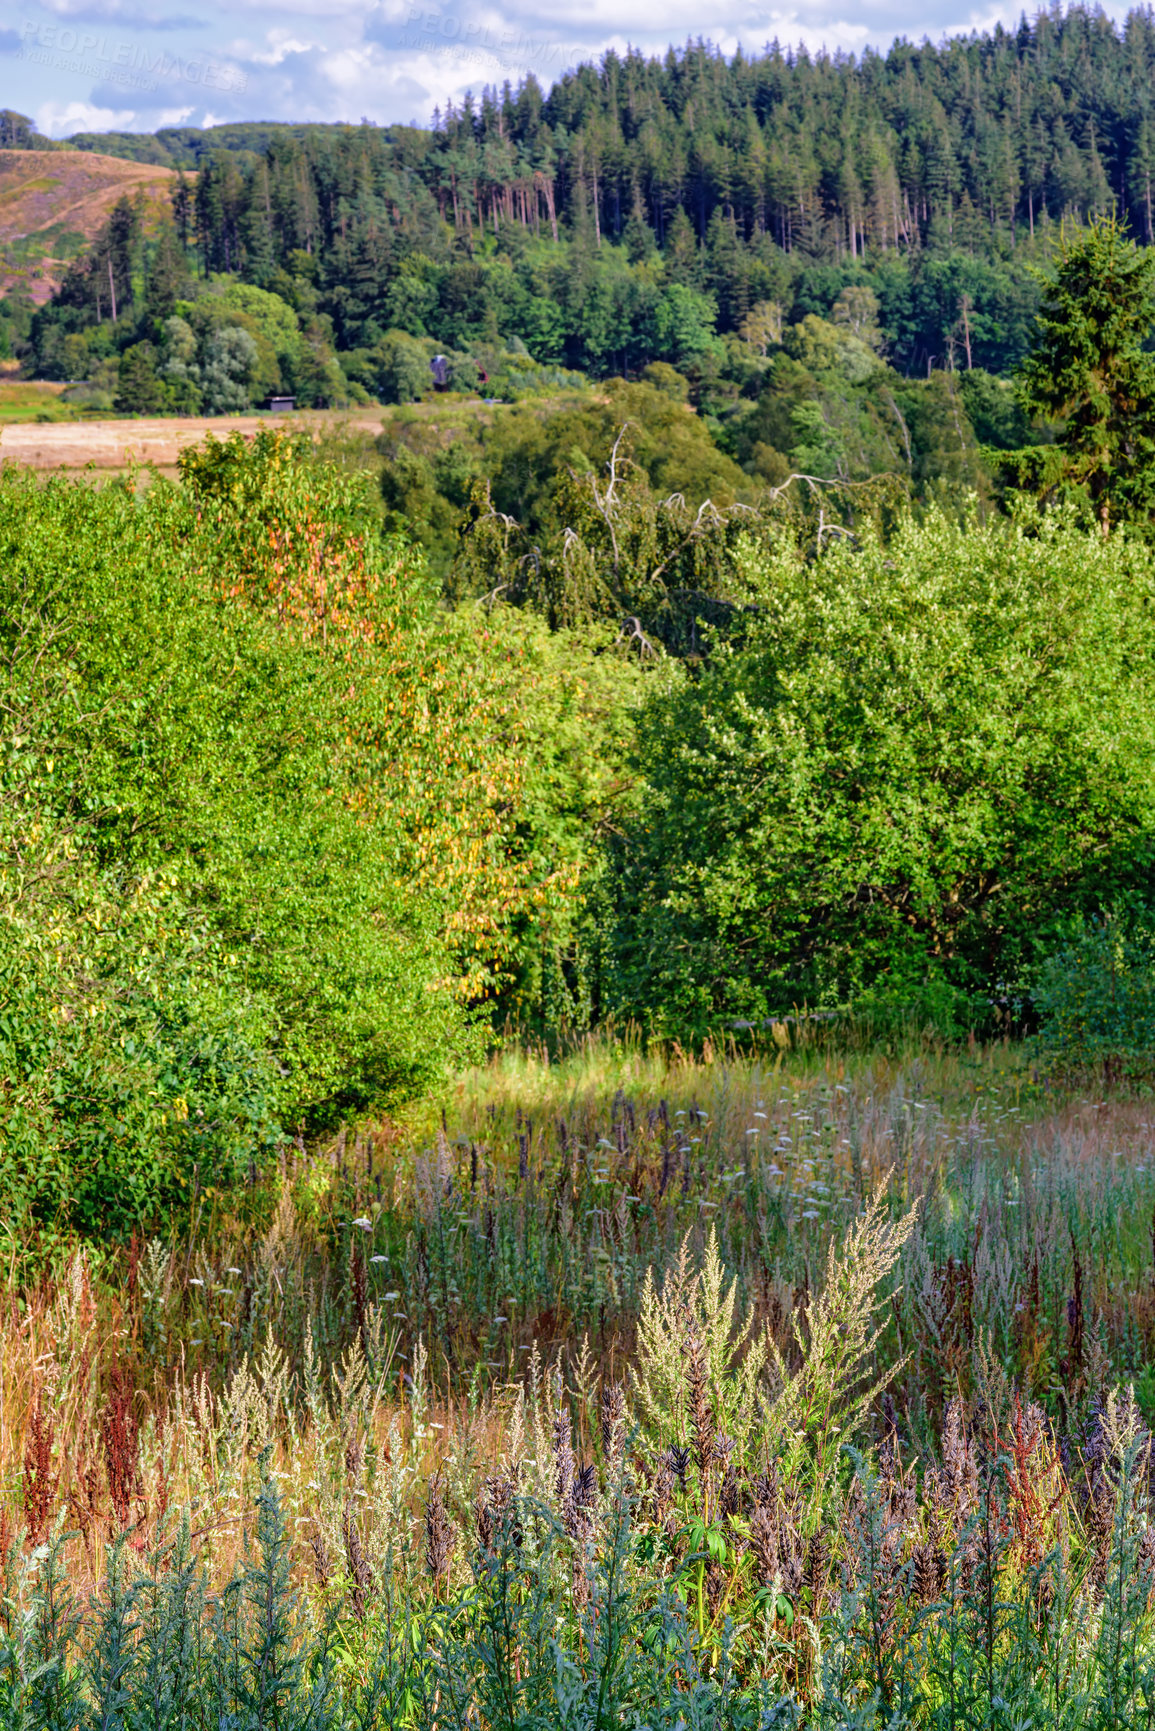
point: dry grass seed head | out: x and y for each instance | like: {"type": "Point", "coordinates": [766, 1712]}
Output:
{"type": "Point", "coordinates": [440, 1536]}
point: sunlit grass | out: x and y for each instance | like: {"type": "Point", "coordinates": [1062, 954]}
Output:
{"type": "Point", "coordinates": [423, 1310]}
{"type": "Point", "coordinates": [31, 400]}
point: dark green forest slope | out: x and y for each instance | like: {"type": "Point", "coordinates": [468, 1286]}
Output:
{"type": "Point", "coordinates": [642, 209]}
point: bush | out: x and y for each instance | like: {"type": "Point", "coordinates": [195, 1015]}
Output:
{"type": "Point", "coordinates": [136, 1060]}
{"type": "Point", "coordinates": [271, 822]}
{"type": "Point", "coordinates": [88, 396]}
{"type": "Point", "coordinates": [926, 756]}
{"type": "Point", "coordinates": [1095, 998]}
{"type": "Point", "coordinates": [199, 933]}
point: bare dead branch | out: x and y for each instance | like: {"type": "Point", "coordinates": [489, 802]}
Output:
{"type": "Point", "coordinates": [634, 635]}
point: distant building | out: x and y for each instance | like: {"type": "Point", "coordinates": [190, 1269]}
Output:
{"type": "Point", "coordinates": [281, 405]}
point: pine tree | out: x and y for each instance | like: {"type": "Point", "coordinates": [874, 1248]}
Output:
{"type": "Point", "coordinates": [182, 207]}
{"type": "Point", "coordinates": [257, 231]}
{"type": "Point", "coordinates": [683, 257]}
{"type": "Point", "coordinates": [1141, 172]}
{"type": "Point", "coordinates": [120, 242]}
{"type": "Point", "coordinates": [167, 280]}
{"type": "Point", "coordinates": [138, 390]}
{"type": "Point", "coordinates": [1090, 370]}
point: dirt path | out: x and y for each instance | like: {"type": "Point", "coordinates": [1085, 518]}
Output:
{"type": "Point", "coordinates": [119, 444]}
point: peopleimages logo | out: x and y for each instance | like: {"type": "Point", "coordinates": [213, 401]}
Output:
{"type": "Point", "coordinates": [441, 32]}
{"type": "Point", "coordinates": [126, 63]}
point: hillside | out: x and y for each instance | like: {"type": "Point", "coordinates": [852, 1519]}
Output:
{"type": "Point", "coordinates": [184, 146]}
{"type": "Point", "coordinates": [52, 203]}
{"type": "Point", "coordinates": [934, 176]}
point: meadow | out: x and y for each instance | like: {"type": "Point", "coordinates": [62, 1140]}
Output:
{"type": "Point", "coordinates": [23, 400]}
{"type": "Point", "coordinates": [802, 1386]}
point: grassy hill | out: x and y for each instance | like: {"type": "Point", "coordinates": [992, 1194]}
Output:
{"type": "Point", "coordinates": [53, 202]}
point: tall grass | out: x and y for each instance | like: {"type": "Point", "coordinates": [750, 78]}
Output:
{"type": "Point", "coordinates": [623, 1389]}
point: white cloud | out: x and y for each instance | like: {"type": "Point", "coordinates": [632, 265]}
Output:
{"type": "Point", "coordinates": [124, 12]}
{"type": "Point", "coordinates": [280, 50]}
{"type": "Point", "coordinates": [58, 119]}
{"type": "Point", "coordinates": [347, 71]}
{"type": "Point", "coordinates": [337, 20]}
{"type": "Point", "coordinates": [634, 17]}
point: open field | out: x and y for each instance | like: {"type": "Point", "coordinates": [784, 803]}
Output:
{"type": "Point", "coordinates": [71, 440]}
{"type": "Point", "coordinates": [428, 1379]}
{"type": "Point", "coordinates": [52, 203]}
{"type": "Point", "coordinates": [117, 444]}
{"type": "Point", "coordinates": [24, 400]}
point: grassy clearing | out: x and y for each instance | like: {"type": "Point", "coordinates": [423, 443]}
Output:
{"type": "Point", "coordinates": [31, 399]}
{"type": "Point", "coordinates": [621, 1341]}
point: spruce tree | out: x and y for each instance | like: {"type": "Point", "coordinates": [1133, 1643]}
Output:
{"type": "Point", "coordinates": [1089, 370]}
{"type": "Point", "coordinates": [138, 389]}
{"type": "Point", "coordinates": [168, 279]}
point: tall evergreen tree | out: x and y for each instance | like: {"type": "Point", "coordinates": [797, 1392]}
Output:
{"type": "Point", "coordinates": [167, 279]}
{"type": "Point", "coordinates": [1090, 369]}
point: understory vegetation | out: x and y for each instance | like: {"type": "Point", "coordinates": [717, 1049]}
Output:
{"type": "Point", "coordinates": [286, 837]}
{"type": "Point", "coordinates": [813, 1392]}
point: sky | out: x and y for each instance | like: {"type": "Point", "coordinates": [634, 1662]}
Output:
{"type": "Point", "coordinates": [136, 65]}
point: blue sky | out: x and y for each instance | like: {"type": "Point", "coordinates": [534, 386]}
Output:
{"type": "Point", "coordinates": [139, 64]}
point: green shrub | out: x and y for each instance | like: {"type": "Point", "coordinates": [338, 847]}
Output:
{"type": "Point", "coordinates": [200, 937]}
{"type": "Point", "coordinates": [925, 756]}
{"type": "Point", "coordinates": [1095, 998]}
{"type": "Point", "coordinates": [137, 1063]}
{"type": "Point", "coordinates": [271, 823]}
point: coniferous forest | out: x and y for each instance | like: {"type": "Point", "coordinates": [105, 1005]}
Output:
{"type": "Point", "coordinates": [644, 208]}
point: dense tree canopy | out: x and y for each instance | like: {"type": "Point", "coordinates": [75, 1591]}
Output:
{"type": "Point", "coordinates": [924, 760]}
{"type": "Point", "coordinates": [643, 207]}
